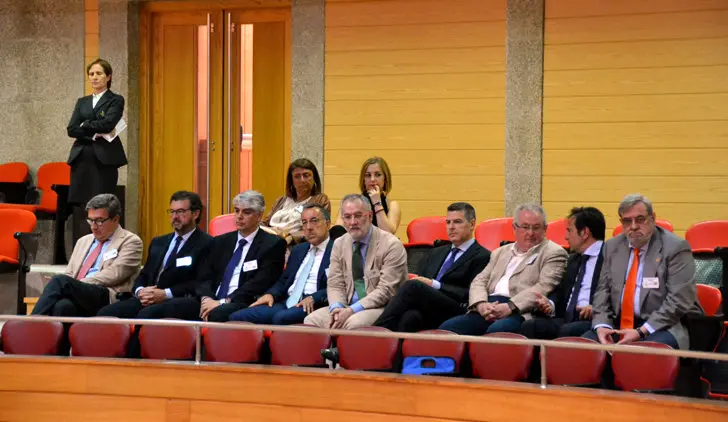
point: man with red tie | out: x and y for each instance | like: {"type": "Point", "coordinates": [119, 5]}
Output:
{"type": "Point", "coordinates": [647, 282]}
{"type": "Point", "coordinates": [103, 264]}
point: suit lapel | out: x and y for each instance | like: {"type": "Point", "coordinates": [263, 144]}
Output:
{"type": "Point", "coordinates": [103, 100]}
{"type": "Point", "coordinates": [501, 265]}
{"type": "Point", "coordinates": [116, 240]}
{"type": "Point", "coordinates": [597, 273]}
{"type": "Point", "coordinates": [254, 247]}
{"type": "Point", "coordinates": [649, 268]}
{"type": "Point", "coordinates": [189, 244]}
{"type": "Point", "coordinates": [528, 259]}
{"type": "Point", "coordinates": [462, 260]}
{"type": "Point", "coordinates": [371, 250]}
{"type": "Point", "coordinates": [324, 264]}
{"type": "Point", "coordinates": [621, 261]}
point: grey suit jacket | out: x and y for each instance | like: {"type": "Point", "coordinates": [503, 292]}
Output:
{"type": "Point", "coordinates": [539, 272]}
{"type": "Point", "coordinates": [118, 269]}
{"type": "Point", "coordinates": [385, 269]}
{"type": "Point", "coordinates": [670, 259]}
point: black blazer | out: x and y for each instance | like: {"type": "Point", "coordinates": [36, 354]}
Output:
{"type": "Point", "coordinates": [279, 291]}
{"type": "Point", "coordinates": [181, 280]}
{"type": "Point", "coordinates": [100, 119]}
{"type": "Point", "coordinates": [456, 281]}
{"type": "Point", "coordinates": [267, 249]}
{"type": "Point", "coordinates": [561, 294]}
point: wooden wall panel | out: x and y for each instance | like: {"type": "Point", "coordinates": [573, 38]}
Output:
{"type": "Point", "coordinates": [422, 84]}
{"type": "Point", "coordinates": [634, 101]}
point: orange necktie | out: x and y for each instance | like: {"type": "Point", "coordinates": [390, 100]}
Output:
{"type": "Point", "coordinates": [627, 321]}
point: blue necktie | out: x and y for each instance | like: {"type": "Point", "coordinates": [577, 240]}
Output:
{"type": "Point", "coordinates": [300, 282]}
{"type": "Point", "coordinates": [448, 263]}
{"type": "Point", "coordinates": [570, 314]}
{"type": "Point", "coordinates": [234, 261]}
{"type": "Point", "coordinates": [173, 256]}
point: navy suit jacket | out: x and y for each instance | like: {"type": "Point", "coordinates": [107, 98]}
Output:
{"type": "Point", "coordinates": [279, 291]}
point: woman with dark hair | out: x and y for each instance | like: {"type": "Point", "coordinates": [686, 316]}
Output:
{"type": "Point", "coordinates": [94, 160]}
{"type": "Point", "coordinates": [303, 186]}
{"type": "Point", "coordinates": [375, 182]}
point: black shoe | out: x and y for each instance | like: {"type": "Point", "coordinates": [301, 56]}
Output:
{"type": "Point", "coordinates": [331, 354]}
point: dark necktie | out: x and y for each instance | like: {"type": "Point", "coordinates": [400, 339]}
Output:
{"type": "Point", "coordinates": [228, 275]}
{"type": "Point", "coordinates": [172, 258]}
{"type": "Point", "coordinates": [448, 263]}
{"type": "Point", "coordinates": [357, 271]}
{"type": "Point", "coordinates": [570, 314]}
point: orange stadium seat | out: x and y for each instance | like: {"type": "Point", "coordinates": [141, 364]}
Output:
{"type": "Point", "coordinates": [299, 349]}
{"type": "Point", "coordinates": [490, 233]}
{"type": "Point", "coordinates": [556, 232]}
{"type": "Point", "coordinates": [367, 353]}
{"type": "Point", "coordinates": [426, 230]}
{"type": "Point", "coordinates": [452, 349]}
{"type": "Point", "coordinates": [222, 224]}
{"type": "Point", "coordinates": [662, 223]}
{"type": "Point", "coordinates": [233, 346]}
{"type": "Point", "coordinates": [12, 223]}
{"type": "Point", "coordinates": [30, 337]}
{"type": "Point", "coordinates": [99, 340]}
{"type": "Point", "coordinates": [710, 298]}
{"type": "Point", "coordinates": [14, 182]}
{"type": "Point", "coordinates": [502, 362]}
{"type": "Point", "coordinates": [49, 174]}
{"type": "Point", "coordinates": [160, 342]}
{"type": "Point", "coordinates": [645, 372]}
{"type": "Point", "coordinates": [707, 235]}
{"type": "Point", "coordinates": [573, 366]}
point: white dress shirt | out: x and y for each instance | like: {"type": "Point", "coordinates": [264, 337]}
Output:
{"type": "Point", "coordinates": [96, 97]}
{"type": "Point", "coordinates": [238, 268]}
{"type": "Point", "coordinates": [312, 281]}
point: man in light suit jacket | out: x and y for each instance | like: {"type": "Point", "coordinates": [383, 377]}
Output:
{"type": "Point", "coordinates": [172, 267]}
{"type": "Point", "coordinates": [367, 267]}
{"type": "Point", "coordinates": [103, 264]}
{"type": "Point", "coordinates": [440, 290]}
{"type": "Point", "coordinates": [507, 290]}
{"type": "Point", "coordinates": [302, 287]}
{"type": "Point", "coordinates": [647, 283]}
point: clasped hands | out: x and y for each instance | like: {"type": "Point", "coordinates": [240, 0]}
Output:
{"type": "Point", "coordinates": [151, 295]}
{"type": "Point", "coordinates": [493, 311]}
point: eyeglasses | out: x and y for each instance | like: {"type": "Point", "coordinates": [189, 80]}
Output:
{"type": "Point", "coordinates": [350, 217]}
{"type": "Point", "coordinates": [180, 211]}
{"type": "Point", "coordinates": [98, 221]}
{"type": "Point", "coordinates": [528, 227]}
{"type": "Point", "coordinates": [314, 222]}
{"type": "Point", "coordinates": [639, 220]}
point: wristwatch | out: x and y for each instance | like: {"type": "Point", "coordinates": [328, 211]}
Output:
{"type": "Point", "coordinates": [512, 306]}
{"type": "Point", "coordinates": [642, 334]}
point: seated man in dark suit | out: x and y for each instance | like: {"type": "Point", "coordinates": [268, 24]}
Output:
{"type": "Point", "coordinates": [302, 287]}
{"type": "Point", "coordinates": [242, 264]}
{"type": "Point", "coordinates": [172, 267]}
{"type": "Point", "coordinates": [568, 310]}
{"type": "Point", "coordinates": [440, 290]}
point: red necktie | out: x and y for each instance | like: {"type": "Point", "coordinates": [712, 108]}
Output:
{"type": "Point", "coordinates": [90, 261]}
{"type": "Point", "coordinates": [627, 320]}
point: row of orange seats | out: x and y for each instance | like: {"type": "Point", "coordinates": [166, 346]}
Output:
{"type": "Point", "coordinates": [49, 174]}
{"type": "Point", "coordinates": [502, 362]}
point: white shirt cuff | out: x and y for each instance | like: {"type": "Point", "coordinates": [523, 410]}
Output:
{"type": "Point", "coordinates": [436, 285]}
{"type": "Point", "coordinates": [136, 292]}
{"type": "Point", "coordinates": [169, 294]}
{"type": "Point", "coordinates": [649, 328]}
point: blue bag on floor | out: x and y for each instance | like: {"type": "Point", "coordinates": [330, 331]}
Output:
{"type": "Point", "coordinates": [428, 365]}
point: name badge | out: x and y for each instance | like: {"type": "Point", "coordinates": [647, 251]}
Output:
{"type": "Point", "coordinates": [250, 265]}
{"type": "Point", "coordinates": [532, 259]}
{"type": "Point", "coordinates": [185, 261]}
{"type": "Point", "coordinates": [650, 283]}
{"type": "Point", "coordinates": [111, 254]}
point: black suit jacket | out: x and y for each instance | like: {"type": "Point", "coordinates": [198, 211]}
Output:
{"type": "Point", "coordinates": [100, 119]}
{"type": "Point", "coordinates": [456, 281]}
{"type": "Point", "coordinates": [268, 250]}
{"type": "Point", "coordinates": [561, 294]}
{"type": "Point", "coordinates": [180, 280]}
{"type": "Point", "coordinates": [298, 253]}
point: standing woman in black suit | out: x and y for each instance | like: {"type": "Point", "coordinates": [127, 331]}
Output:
{"type": "Point", "coordinates": [95, 161]}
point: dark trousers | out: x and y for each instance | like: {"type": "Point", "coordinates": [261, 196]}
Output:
{"type": "Point", "coordinates": [278, 314]}
{"type": "Point", "coordinates": [545, 328]}
{"type": "Point", "coordinates": [181, 308]}
{"type": "Point", "coordinates": [222, 313]}
{"type": "Point", "coordinates": [417, 307]}
{"type": "Point", "coordinates": [473, 324]}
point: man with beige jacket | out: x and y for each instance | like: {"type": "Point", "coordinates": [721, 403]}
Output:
{"type": "Point", "coordinates": [507, 290]}
{"type": "Point", "coordinates": [103, 264]}
{"type": "Point", "coordinates": [367, 267]}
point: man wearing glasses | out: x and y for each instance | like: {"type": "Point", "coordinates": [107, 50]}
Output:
{"type": "Point", "coordinates": [507, 290]}
{"type": "Point", "coordinates": [173, 261]}
{"type": "Point", "coordinates": [302, 287]}
{"type": "Point", "coordinates": [102, 265]}
{"type": "Point", "coordinates": [647, 282]}
{"type": "Point", "coordinates": [367, 267]}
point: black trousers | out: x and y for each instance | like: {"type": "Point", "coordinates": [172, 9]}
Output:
{"type": "Point", "coordinates": [66, 296]}
{"type": "Point", "coordinates": [545, 328]}
{"type": "Point", "coordinates": [417, 307]}
{"type": "Point", "coordinates": [181, 308]}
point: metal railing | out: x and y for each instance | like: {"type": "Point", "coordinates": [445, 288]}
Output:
{"type": "Point", "coordinates": [541, 344]}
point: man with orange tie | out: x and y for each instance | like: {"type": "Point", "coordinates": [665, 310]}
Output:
{"type": "Point", "coordinates": [647, 282]}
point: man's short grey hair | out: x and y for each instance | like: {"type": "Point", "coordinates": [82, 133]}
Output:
{"type": "Point", "coordinates": [532, 208]}
{"type": "Point", "coordinates": [357, 197]}
{"type": "Point", "coordinates": [251, 199]}
{"type": "Point", "coordinates": [106, 201]}
{"type": "Point", "coordinates": [633, 199]}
